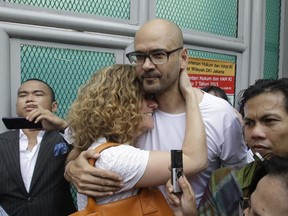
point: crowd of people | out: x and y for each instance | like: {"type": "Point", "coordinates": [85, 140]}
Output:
{"type": "Point", "coordinates": [264, 107]}
{"type": "Point", "coordinates": [149, 108]}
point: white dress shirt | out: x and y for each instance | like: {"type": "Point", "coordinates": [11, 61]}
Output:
{"type": "Point", "coordinates": [28, 158]}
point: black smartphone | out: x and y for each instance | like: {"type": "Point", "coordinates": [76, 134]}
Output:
{"type": "Point", "coordinates": [176, 169]}
{"type": "Point", "coordinates": [20, 123]}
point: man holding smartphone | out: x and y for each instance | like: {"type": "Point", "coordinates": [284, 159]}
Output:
{"type": "Point", "coordinates": [32, 161]}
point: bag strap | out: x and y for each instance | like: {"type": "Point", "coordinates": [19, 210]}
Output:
{"type": "Point", "coordinates": [91, 201]}
{"type": "Point", "coordinates": [100, 148]}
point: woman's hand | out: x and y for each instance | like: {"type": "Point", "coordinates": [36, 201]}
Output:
{"type": "Point", "coordinates": [185, 84]}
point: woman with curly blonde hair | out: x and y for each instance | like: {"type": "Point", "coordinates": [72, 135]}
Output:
{"type": "Point", "coordinates": [107, 106]}
{"type": "Point", "coordinates": [111, 107]}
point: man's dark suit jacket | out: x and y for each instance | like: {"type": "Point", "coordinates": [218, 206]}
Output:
{"type": "Point", "coordinates": [49, 191]}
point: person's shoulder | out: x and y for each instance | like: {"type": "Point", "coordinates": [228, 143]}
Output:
{"type": "Point", "coordinates": [221, 183]}
{"type": "Point", "coordinates": [215, 103]}
{"type": "Point", "coordinates": [9, 134]}
{"type": "Point", "coordinates": [132, 154]}
{"type": "Point", "coordinates": [222, 173]}
{"type": "Point", "coordinates": [242, 176]}
{"type": "Point", "coordinates": [54, 134]}
{"type": "Point", "coordinates": [122, 151]}
{"type": "Point", "coordinates": [122, 158]}
{"type": "Point", "coordinates": [245, 174]}
{"type": "Point", "coordinates": [211, 104]}
{"type": "Point", "coordinates": [225, 176]}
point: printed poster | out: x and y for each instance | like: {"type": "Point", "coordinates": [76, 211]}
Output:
{"type": "Point", "coordinates": [206, 72]}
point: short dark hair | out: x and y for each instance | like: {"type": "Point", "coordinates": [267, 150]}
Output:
{"type": "Point", "coordinates": [219, 91]}
{"type": "Point", "coordinates": [49, 87]}
{"type": "Point", "coordinates": [263, 86]}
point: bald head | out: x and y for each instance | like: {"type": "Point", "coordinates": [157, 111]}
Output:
{"type": "Point", "coordinates": [154, 37]}
{"type": "Point", "coordinates": [162, 31]}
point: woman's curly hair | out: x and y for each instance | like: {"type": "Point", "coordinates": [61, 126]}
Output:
{"type": "Point", "coordinates": [107, 106]}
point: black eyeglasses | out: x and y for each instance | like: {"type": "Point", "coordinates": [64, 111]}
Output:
{"type": "Point", "coordinates": [156, 57]}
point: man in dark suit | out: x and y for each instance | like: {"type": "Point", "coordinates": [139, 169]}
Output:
{"type": "Point", "coordinates": [32, 162]}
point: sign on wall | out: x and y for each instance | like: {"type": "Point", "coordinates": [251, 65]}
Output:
{"type": "Point", "coordinates": [206, 72]}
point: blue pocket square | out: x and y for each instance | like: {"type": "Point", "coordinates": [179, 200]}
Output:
{"type": "Point", "coordinates": [60, 149]}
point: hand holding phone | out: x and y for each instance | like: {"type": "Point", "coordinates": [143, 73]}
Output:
{"type": "Point", "coordinates": [20, 123]}
{"type": "Point", "coordinates": [176, 169]}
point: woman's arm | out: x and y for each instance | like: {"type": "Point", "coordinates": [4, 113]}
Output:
{"type": "Point", "coordinates": [194, 146]}
{"type": "Point", "coordinates": [195, 153]}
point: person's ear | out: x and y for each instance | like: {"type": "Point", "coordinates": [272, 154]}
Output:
{"type": "Point", "coordinates": [54, 106]}
{"type": "Point", "coordinates": [184, 58]}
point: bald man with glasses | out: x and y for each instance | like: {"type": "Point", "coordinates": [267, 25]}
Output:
{"type": "Point", "coordinates": [159, 57]}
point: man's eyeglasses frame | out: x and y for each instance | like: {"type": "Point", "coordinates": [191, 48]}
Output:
{"type": "Point", "coordinates": [148, 55]}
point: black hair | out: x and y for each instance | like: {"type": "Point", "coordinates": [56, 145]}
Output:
{"type": "Point", "coordinates": [49, 87]}
{"type": "Point", "coordinates": [262, 86]}
{"type": "Point", "coordinates": [274, 166]}
{"type": "Point", "coordinates": [219, 91]}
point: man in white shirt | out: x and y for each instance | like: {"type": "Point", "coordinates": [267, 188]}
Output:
{"type": "Point", "coordinates": [159, 57]}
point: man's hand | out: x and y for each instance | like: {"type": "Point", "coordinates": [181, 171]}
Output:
{"type": "Point", "coordinates": [90, 180]}
{"type": "Point", "coordinates": [185, 204]}
{"type": "Point", "coordinates": [48, 119]}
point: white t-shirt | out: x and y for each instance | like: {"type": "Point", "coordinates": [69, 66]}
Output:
{"type": "Point", "coordinates": [125, 160]}
{"type": "Point", "coordinates": [225, 142]}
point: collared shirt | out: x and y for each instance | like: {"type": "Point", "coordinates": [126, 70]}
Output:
{"type": "Point", "coordinates": [3, 212]}
{"type": "Point", "coordinates": [66, 134]}
{"type": "Point", "coordinates": [28, 158]}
